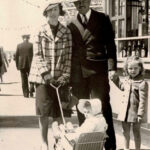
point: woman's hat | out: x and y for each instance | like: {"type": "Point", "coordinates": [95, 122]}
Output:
{"type": "Point", "coordinates": [95, 105]}
{"type": "Point", "coordinates": [51, 4]}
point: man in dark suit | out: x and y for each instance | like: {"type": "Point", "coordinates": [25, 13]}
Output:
{"type": "Point", "coordinates": [93, 59]}
{"type": "Point", "coordinates": [24, 54]}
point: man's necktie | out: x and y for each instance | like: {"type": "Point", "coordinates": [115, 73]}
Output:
{"type": "Point", "coordinates": [84, 21]}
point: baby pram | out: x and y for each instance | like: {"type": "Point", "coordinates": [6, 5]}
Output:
{"type": "Point", "coordinates": [86, 141]}
{"type": "Point", "coordinates": [90, 141]}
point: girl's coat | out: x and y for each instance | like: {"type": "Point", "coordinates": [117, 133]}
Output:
{"type": "Point", "coordinates": [133, 103]}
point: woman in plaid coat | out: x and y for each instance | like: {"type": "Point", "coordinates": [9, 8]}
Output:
{"type": "Point", "coordinates": [51, 64]}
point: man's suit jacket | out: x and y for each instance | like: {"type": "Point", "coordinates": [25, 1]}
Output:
{"type": "Point", "coordinates": [24, 54]}
{"type": "Point", "coordinates": [94, 49]}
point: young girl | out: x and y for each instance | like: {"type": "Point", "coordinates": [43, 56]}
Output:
{"type": "Point", "coordinates": [94, 121]}
{"type": "Point", "coordinates": [135, 96]}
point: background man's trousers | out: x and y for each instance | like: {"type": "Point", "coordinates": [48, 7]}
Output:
{"type": "Point", "coordinates": [97, 86]}
{"type": "Point", "coordinates": [25, 85]}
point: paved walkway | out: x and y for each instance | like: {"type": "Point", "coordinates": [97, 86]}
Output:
{"type": "Point", "coordinates": [29, 139]}
{"type": "Point", "coordinates": [24, 134]}
{"type": "Point", "coordinates": [12, 102]}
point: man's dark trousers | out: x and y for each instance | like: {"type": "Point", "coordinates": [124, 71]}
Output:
{"type": "Point", "coordinates": [24, 79]}
{"type": "Point", "coordinates": [98, 87]}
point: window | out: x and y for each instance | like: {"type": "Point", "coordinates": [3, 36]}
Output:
{"type": "Point", "coordinates": [118, 17]}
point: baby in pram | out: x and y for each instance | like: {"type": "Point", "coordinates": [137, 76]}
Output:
{"type": "Point", "coordinates": [94, 122]}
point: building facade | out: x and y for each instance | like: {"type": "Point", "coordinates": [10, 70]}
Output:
{"type": "Point", "coordinates": [131, 25]}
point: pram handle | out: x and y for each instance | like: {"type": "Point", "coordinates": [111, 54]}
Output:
{"type": "Point", "coordinates": [55, 87]}
{"type": "Point", "coordinates": [59, 101]}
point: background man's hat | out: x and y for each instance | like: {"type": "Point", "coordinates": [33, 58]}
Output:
{"type": "Point", "coordinates": [25, 35]}
{"type": "Point", "coordinates": [49, 4]}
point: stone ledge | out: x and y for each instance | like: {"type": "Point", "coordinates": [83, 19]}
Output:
{"type": "Point", "coordinates": [26, 121]}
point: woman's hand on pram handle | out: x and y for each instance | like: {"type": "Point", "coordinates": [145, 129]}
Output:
{"type": "Point", "coordinates": [61, 81]}
{"type": "Point", "coordinates": [57, 83]}
{"type": "Point", "coordinates": [49, 80]}
{"type": "Point", "coordinates": [46, 77]}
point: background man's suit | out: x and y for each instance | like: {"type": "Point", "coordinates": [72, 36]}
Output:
{"type": "Point", "coordinates": [24, 54]}
{"type": "Point", "coordinates": [94, 53]}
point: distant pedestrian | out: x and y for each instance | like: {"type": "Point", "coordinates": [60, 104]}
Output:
{"type": "Point", "coordinates": [4, 63]}
{"type": "Point", "coordinates": [132, 106]}
{"type": "Point", "coordinates": [23, 58]}
{"type": "Point", "coordinates": [9, 57]}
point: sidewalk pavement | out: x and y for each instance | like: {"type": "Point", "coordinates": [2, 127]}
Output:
{"type": "Point", "coordinates": [12, 102]}
{"type": "Point", "coordinates": [29, 139]}
{"type": "Point", "coordinates": [18, 123]}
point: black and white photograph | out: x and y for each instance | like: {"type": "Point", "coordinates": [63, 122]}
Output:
{"type": "Point", "coordinates": [74, 74]}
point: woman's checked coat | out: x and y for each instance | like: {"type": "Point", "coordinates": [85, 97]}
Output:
{"type": "Point", "coordinates": [51, 55]}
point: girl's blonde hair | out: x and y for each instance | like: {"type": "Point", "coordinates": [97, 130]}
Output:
{"type": "Point", "coordinates": [133, 59]}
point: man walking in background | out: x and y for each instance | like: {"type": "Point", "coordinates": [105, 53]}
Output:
{"type": "Point", "coordinates": [93, 58]}
{"type": "Point", "coordinates": [24, 54]}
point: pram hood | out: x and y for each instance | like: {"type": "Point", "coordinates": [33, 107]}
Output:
{"type": "Point", "coordinates": [95, 105]}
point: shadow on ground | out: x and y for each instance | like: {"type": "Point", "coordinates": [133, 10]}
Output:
{"type": "Point", "coordinates": [10, 82]}
{"type": "Point", "coordinates": [9, 95]}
